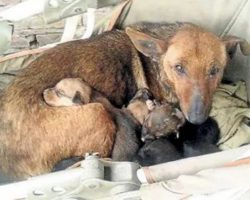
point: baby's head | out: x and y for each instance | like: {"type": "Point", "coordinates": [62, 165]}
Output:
{"type": "Point", "coordinates": [162, 121]}
{"type": "Point", "coordinates": [157, 151]}
{"type": "Point", "coordinates": [140, 105]}
{"type": "Point", "coordinates": [68, 92]}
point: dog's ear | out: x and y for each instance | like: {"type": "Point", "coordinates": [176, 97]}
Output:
{"type": "Point", "coordinates": [77, 99]}
{"type": "Point", "coordinates": [232, 42]}
{"type": "Point", "coordinates": [146, 44]}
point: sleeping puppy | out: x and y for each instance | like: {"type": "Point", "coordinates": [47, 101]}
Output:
{"type": "Point", "coordinates": [157, 151]}
{"type": "Point", "coordinates": [200, 140]}
{"type": "Point", "coordinates": [68, 92]}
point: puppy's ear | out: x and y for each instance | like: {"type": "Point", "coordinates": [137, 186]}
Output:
{"type": "Point", "coordinates": [77, 99]}
{"type": "Point", "coordinates": [146, 44]}
{"type": "Point", "coordinates": [232, 42]}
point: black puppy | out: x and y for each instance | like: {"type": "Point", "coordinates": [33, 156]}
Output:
{"type": "Point", "coordinates": [157, 151]}
{"type": "Point", "coordinates": [198, 140]}
{"type": "Point", "coordinates": [193, 140]}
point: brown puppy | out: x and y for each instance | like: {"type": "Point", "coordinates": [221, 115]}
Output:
{"type": "Point", "coordinates": [188, 65]}
{"type": "Point", "coordinates": [162, 121]}
{"type": "Point", "coordinates": [157, 120]}
{"type": "Point", "coordinates": [68, 92]}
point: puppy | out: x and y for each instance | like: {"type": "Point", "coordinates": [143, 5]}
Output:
{"type": "Point", "coordinates": [68, 92]}
{"type": "Point", "coordinates": [201, 139]}
{"type": "Point", "coordinates": [157, 151]}
{"type": "Point", "coordinates": [162, 121]}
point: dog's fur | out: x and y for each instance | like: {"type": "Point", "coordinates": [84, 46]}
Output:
{"type": "Point", "coordinates": [188, 65]}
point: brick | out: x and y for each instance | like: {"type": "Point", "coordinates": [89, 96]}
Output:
{"type": "Point", "coordinates": [48, 39]}
{"type": "Point", "coordinates": [19, 42]}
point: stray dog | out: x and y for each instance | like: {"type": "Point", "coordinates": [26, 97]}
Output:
{"type": "Point", "coordinates": [183, 64]}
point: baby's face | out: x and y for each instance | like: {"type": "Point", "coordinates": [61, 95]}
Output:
{"type": "Point", "coordinates": [63, 93]}
{"type": "Point", "coordinates": [162, 121]}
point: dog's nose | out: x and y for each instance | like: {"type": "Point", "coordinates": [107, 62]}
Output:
{"type": "Point", "coordinates": [196, 118]}
{"type": "Point", "coordinates": [197, 113]}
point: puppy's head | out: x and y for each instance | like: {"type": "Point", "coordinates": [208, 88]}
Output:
{"type": "Point", "coordinates": [163, 120]}
{"type": "Point", "coordinates": [157, 151]}
{"type": "Point", "coordinates": [137, 105]}
{"type": "Point", "coordinates": [191, 60]}
{"type": "Point", "coordinates": [68, 92]}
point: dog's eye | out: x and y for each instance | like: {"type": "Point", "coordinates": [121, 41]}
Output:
{"type": "Point", "coordinates": [213, 71]}
{"type": "Point", "coordinates": [179, 68]}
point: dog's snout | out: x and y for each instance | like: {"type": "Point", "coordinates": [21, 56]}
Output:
{"type": "Point", "coordinates": [197, 113]}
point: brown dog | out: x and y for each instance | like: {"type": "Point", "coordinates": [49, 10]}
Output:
{"type": "Point", "coordinates": [188, 65]}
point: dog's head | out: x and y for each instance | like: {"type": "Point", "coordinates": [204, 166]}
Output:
{"type": "Point", "coordinates": [68, 92]}
{"type": "Point", "coordinates": [191, 60]}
